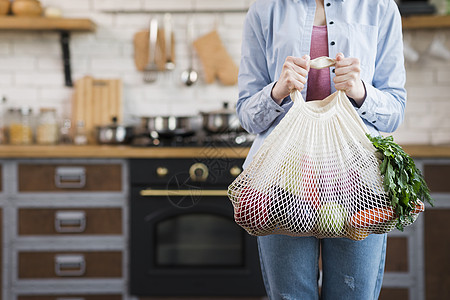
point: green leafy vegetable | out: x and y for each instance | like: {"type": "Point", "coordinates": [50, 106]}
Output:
{"type": "Point", "coordinates": [403, 182]}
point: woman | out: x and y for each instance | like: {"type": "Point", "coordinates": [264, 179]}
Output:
{"type": "Point", "coordinates": [279, 39]}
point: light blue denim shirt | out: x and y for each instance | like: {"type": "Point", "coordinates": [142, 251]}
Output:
{"type": "Point", "coordinates": [370, 30]}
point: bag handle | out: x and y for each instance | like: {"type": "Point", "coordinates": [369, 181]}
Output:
{"type": "Point", "coordinates": [322, 62]}
{"type": "Point", "coordinates": [318, 63]}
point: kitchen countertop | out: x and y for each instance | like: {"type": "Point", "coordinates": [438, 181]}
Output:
{"type": "Point", "coordinates": [106, 151]}
{"type": "Point", "coordinates": [103, 151]}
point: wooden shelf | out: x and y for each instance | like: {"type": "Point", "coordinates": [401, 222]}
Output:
{"type": "Point", "coordinates": [42, 23]}
{"type": "Point", "coordinates": [426, 22]}
{"type": "Point", "coordinates": [63, 25]}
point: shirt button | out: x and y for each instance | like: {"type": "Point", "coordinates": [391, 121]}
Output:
{"type": "Point", "coordinates": [363, 113]}
{"type": "Point", "coordinates": [277, 110]}
{"type": "Point", "coordinates": [332, 43]}
{"type": "Point", "coordinates": [373, 122]}
{"type": "Point", "coordinates": [333, 70]}
{"type": "Point", "coordinates": [328, 4]}
{"type": "Point", "coordinates": [331, 23]}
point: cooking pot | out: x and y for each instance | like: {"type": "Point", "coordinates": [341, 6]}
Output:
{"type": "Point", "coordinates": [171, 126]}
{"type": "Point", "coordinates": [114, 134]}
{"type": "Point", "coordinates": [224, 120]}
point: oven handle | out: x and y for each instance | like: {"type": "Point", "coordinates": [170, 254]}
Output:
{"type": "Point", "coordinates": [152, 193]}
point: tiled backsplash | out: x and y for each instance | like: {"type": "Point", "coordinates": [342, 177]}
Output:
{"type": "Point", "coordinates": [31, 70]}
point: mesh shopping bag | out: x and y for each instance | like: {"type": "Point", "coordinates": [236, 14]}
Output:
{"type": "Point", "coordinates": [316, 174]}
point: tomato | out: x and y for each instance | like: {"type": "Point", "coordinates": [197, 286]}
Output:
{"type": "Point", "coordinates": [251, 212]}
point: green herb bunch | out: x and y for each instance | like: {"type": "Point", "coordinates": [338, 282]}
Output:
{"type": "Point", "coordinates": [403, 182]}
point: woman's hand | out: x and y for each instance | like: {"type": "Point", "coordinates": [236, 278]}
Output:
{"type": "Point", "coordinates": [293, 76]}
{"type": "Point", "coordinates": [347, 79]}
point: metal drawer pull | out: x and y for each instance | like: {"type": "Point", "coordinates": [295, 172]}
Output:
{"type": "Point", "coordinates": [70, 221]}
{"type": "Point", "coordinates": [70, 177]}
{"type": "Point", "coordinates": [67, 265]}
{"type": "Point", "coordinates": [65, 298]}
{"type": "Point", "coordinates": [150, 192]}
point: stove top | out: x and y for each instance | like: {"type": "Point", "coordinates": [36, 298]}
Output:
{"type": "Point", "coordinates": [232, 139]}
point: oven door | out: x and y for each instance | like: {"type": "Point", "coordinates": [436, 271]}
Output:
{"type": "Point", "coordinates": [186, 243]}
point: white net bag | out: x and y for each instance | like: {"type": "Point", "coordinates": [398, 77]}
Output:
{"type": "Point", "coordinates": [316, 174]}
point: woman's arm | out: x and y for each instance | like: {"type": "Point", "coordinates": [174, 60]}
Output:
{"type": "Point", "coordinates": [384, 104]}
{"type": "Point", "coordinates": [256, 108]}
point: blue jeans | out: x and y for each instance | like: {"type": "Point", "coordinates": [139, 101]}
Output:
{"type": "Point", "coordinates": [351, 270]}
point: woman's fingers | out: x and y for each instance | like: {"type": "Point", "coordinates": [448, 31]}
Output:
{"type": "Point", "coordinates": [293, 76]}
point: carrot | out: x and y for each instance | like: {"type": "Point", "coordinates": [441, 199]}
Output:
{"type": "Point", "coordinates": [420, 207]}
{"type": "Point", "coordinates": [372, 216]}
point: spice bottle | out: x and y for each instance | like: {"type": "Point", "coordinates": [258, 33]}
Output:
{"type": "Point", "coordinates": [47, 127]}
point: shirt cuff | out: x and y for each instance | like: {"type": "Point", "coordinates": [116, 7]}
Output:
{"type": "Point", "coordinates": [367, 109]}
{"type": "Point", "coordinates": [271, 106]}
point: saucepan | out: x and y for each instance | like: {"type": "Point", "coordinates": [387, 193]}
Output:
{"type": "Point", "coordinates": [114, 134]}
{"type": "Point", "coordinates": [224, 120]}
{"type": "Point", "coordinates": [171, 126]}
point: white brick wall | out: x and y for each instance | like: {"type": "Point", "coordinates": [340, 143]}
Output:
{"type": "Point", "coordinates": [31, 71]}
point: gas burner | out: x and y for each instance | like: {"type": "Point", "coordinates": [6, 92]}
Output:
{"type": "Point", "coordinates": [232, 139]}
{"type": "Point", "coordinates": [200, 139]}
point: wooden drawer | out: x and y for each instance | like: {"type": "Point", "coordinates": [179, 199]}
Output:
{"type": "Point", "coordinates": [80, 221]}
{"type": "Point", "coordinates": [394, 294]}
{"type": "Point", "coordinates": [46, 265]}
{"type": "Point", "coordinates": [71, 297]}
{"type": "Point", "coordinates": [69, 178]}
{"type": "Point", "coordinates": [397, 254]}
{"type": "Point", "coordinates": [436, 176]}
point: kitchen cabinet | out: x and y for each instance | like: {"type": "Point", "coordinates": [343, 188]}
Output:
{"type": "Point", "coordinates": [67, 234]}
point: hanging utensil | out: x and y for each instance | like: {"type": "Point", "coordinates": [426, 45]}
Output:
{"type": "Point", "coordinates": [151, 69]}
{"type": "Point", "coordinates": [170, 64]}
{"type": "Point", "coordinates": [190, 76]}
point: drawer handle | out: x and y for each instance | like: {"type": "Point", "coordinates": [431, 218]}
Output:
{"type": "Point", "coordinates": [70, 265]}
{"type": "Point", "coordinates": [71, 298]}
{"type": "Point", "coordinates": [150, 192]}
{"type": "Point", "coordinates": [70, 177]}
{"type": "Point", "coordinates": [70, 221]}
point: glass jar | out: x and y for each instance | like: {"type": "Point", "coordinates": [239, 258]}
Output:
{"type": "Point", "coordinates": [20, 126]}
{"type": "Point", "coordinates": [80, 137]}
{"type": "Point", "coordinates": [47, 127]}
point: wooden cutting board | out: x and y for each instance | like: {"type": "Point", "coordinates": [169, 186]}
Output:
{"type": "Point", "coordinates": [96, 102]}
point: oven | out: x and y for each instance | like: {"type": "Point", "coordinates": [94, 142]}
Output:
{"type": "Point", "coordinates": [183, 239]}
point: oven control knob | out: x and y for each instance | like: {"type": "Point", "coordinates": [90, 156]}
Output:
{"type": "Point", "coordinates": [162, 171]}
{"type": "Point", "coordinates": [198, 172]}
{"type": "Point", "coordinates": [235, 171]}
